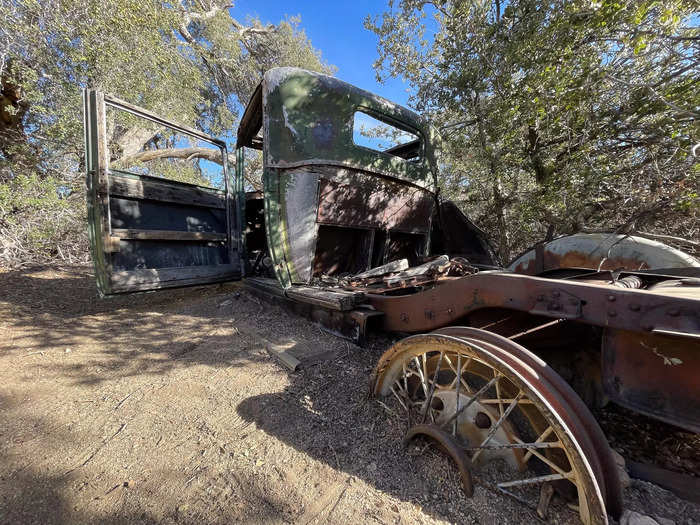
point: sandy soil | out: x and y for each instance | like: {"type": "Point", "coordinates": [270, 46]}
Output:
{"type": "Point", "coordinates": [165, 407]}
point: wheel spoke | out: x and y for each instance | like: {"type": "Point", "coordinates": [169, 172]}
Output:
{"type": "Point", "coordinates": [423, 381]}
{"type": "Point", "coordinates": [429, 399]}
{"type": "Point", "coordinates": [531, 481]}
{"type": "Point", "coordinates": [540, 439]}
{"type": "Point", "coordinates": [498, 423]}
{"type": "Point", "coordinates": [504, 446]}
{"type": "Point", "coordinates": [470, 402]}
{"type": "Point", "coordinates": [498, 395]}
{"type": "Point", "coordinates": [459, 383]}
{"type": "Point", "coordinates": [532, 452]}
{"type": "Point", "coordinates": [398, 397]}
{"type": "Point", "coordinates": [494, 401]}
{"type": "Point", "coordinates": [458, 372]}
{"type": "Point", "coordinates": [469, 384]}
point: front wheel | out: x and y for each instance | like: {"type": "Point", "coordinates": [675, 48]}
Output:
{"type": "Point", "coordinates": [511, 420]}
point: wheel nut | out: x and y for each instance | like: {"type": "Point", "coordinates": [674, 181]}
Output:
{"type": "Point", "coordinates": [482, 420]}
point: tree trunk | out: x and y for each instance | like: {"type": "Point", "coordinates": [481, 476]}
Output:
{"type": "Point", "coordinates": [499, 200]}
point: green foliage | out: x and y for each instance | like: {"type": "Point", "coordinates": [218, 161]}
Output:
{"type": "Point", "coordinates": [556, 116]}
{"type": "Point", "coordinates": [41, 219]}
{"type": "Point", "coordinates": [189, 61]}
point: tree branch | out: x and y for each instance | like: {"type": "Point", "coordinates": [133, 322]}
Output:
{"type": "Point", "coordinates": [172, 153]}
{"type": "Point", "coordinates": [670, 238]}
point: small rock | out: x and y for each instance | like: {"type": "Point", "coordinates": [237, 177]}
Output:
{"type": "Point", "coordinates": [629, 517]}
{"type": "Point", "coordinates": [622, 471]}
{"type": "Point", "coordinates": [67, 350]}
{"type": "Point", "coordinates": [129, 484]}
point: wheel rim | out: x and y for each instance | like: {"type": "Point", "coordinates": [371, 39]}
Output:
{"type": "Point", "coordinates": [605, 467]}
{"type": "Point", "coordinates": [508, 419]}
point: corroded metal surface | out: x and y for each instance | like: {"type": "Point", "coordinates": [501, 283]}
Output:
{"type": "Point", "coordinates": [601, 251]}
{"type": "Point", "coordinates": [336, 212]}
{"type": "Point", "coordinates": [307, 120]}
{"type": "Point", "coordinates": [656, 372]}
{"type": "Point", "coordinates": [651, 343]}
{"type": "Point", "coordinates": [595, 304]}
{"type": "Point", "coordinates": [364, 201]}
{"type": "Point", "coordinates": [610, 478]}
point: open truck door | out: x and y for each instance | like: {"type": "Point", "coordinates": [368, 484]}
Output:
{"type": "Point", "coordinates": [162, 208]}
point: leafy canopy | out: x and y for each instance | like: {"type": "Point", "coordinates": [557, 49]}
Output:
{"type": "Point", "coordinates": [556, 116]}
{"type": "Point", "coordinates": [189, 61]}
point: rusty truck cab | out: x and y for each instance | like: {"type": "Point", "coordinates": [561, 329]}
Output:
{"type": "Point", "coordinates": [334, 203]}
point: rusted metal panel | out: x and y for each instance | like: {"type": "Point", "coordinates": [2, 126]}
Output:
{"type": "Point", "coordinates": [351, 324]}
{"type": "Point", "coordinates": [368, 202]}
{"type": "Point", "coordinates": [314, 174]}
{"type": "Point", "coordinates": [458, 236]}
{"type": "Point", "coordinates": [656, 375]}
{"type": "Point", "coordinates": [602, 251]}
{"type": "Point", "coordinates": [656, 372]}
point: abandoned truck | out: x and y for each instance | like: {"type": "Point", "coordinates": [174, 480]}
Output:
{"type": "Point", "coordinates": [354, 235]}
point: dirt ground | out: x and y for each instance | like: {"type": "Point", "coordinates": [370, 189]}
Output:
{"type": "Point", "coordinates": [165, 407]}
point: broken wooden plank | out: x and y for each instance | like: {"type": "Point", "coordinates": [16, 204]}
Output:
{"type": "Point", "coordinates": [390, 267]}
{"type": "Point", "coordinates": [280, 351]}
{"type": "Point", "coordinates": [166, 235]}
{"type": "Point", "coordinates": [334, 300]}
{"type": "Point", "coordinates": [166, 191]}
{"type": "Point", "coordinates": [418, 274]}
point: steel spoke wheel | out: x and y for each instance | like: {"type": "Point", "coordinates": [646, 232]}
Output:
{"type": "Point", "coordinates": [516, 424]}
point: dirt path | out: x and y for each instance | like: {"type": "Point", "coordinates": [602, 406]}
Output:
{"type": "Point", "coordinates": [166, 408]}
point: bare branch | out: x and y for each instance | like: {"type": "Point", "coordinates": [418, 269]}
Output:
{"type": "Point", "coordinates": [191, 17]}
{"type": "Point", "coordinates": [669, 238]}
{"type": "Point", "coordinates": [172, 153]}
{"type": "Point", "coordinates": [670, 104]}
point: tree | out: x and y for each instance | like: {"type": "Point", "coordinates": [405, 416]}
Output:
{"type": "Point", "coordinates": [190, 61]}
{"type": "Point", "coordinates": [557, 116]}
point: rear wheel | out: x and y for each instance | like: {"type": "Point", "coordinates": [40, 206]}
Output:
{"type": "Point", "coordinates": [512, 422]}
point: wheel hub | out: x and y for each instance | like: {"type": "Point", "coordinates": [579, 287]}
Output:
{"type": "Point", "coordinates": [474, 425]}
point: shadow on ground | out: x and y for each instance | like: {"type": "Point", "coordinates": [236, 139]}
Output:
{"type": "Point", "coordinates": [164, 407]}
{"type": "Point", "coordinates": [58, 310]}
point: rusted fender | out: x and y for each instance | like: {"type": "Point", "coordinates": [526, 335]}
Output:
{"type": "Point", "coordinates": [601, 251]}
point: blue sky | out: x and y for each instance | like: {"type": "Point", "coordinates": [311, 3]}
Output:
{"type": "Point", "coordinates": [335, 28]}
